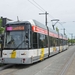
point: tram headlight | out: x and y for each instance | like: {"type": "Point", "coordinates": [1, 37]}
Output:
{"type": "Point", "coordinates": [23, 53]}
{"type": "Point", "coordinates": [4, 54]}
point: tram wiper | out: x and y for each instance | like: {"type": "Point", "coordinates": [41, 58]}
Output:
{"type": "Point", "coordinates": [19, 45]}
{"type": "Point", "coordinates": [10, 41]}
{"type": "Point", "coordinates": [22, 43]}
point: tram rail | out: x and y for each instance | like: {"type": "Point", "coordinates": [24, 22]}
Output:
{"type": "Point", "coordinates": [2, 67]}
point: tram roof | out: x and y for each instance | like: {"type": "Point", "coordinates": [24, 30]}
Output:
{"type": "Point", "coordinates": [16, 22]}
{"type": "Point", "coordinates": [34, 22]}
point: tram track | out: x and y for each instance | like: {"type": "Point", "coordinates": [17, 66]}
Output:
{"type": "Point", "coordinates": [12, 68]}
{"type": "Point", "coordinates": [5, 66]}
{"type": "Point", "coordinates": [8, 71]}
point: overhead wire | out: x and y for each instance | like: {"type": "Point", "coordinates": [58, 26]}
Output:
{"type": "Point", "coordinates": [63, 27]}
{"type": "Point", "coordinates": [43, 10]}
{"type": "Point", "coordinates": [61, 24]}
{"type": "Point", "coordinates": [39, 5]}
{"type": "Point", "coordinates": [36, 5]}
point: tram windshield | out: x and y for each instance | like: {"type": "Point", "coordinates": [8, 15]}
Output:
{"type": "Point", "coordinates": [16, 39]}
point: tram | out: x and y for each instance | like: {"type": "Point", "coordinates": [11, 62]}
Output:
{"type": "Point", "coordinates": [26, 42]}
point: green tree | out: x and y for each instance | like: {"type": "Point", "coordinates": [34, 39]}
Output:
{"type": "Point", "coordinates": [1, 28]}
{"type": "Point", "coordinates": [71, 40]}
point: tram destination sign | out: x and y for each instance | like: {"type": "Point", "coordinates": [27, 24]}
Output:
{"type": "Point", "coordinates": [10, 28]}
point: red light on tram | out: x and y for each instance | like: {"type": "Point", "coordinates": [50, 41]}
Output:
{"type": "Point", "coordinates": [23, 60]}
{"type": "Point", "coordinates": [2, 59]}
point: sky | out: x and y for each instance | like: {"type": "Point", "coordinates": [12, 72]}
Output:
{"type": "Point", "coordinates": [64, 10]}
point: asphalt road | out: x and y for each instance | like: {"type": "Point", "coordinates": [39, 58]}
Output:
{"type": "Point", "coordinates": [55, 65]}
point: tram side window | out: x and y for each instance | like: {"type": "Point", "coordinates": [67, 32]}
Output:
{"type": "Point", "coordinates": [42, 43]}
{"type": "Point", "coordinates": [46, 41]}
{"type": "Point", "coordinates": [50, 41]}
{"type": "Point", "coordinates": [61, 41]}
{"type": "Point", "coordinates": [54, 42]}
{"type": "Point", "coordinates": [65, 42]}
{"type": "Point", "coordinates": [34, 40]}
{"type": "Point", "coordinates": [58, 42]}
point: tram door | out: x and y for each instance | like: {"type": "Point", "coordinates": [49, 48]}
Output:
{"type": "Point", "coordinates": [39, 44]}
{"type": "Point", "coordinates": [35, 43]}
{"type": "Point", "coordinates": [42, 45]}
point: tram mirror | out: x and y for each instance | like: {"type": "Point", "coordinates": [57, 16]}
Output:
{"type": "Point", "coordinates": [27, 41]}
{"type": "Point", "coordinates": [11, 41]}
{"type": "Point", "coordinates": [26, 35]}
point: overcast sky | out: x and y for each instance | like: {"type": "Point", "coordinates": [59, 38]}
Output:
{"type": "Point", "coordinates": [64, 10]}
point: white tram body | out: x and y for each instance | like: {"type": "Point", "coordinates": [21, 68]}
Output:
{"type": "Point", "coordinates": [26, 42]}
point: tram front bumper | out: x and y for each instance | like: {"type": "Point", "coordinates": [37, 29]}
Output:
{"type": "Point", "coordinates": [16, 60]}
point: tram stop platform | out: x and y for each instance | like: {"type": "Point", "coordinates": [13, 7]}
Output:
{"type": "Point", "coordinates": [60, 67]}
{"type": "Point", "coordinates": [71, 69]}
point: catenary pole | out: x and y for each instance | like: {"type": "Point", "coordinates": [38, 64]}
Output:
{"type": "Point", "coordinates": [47, 30]}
